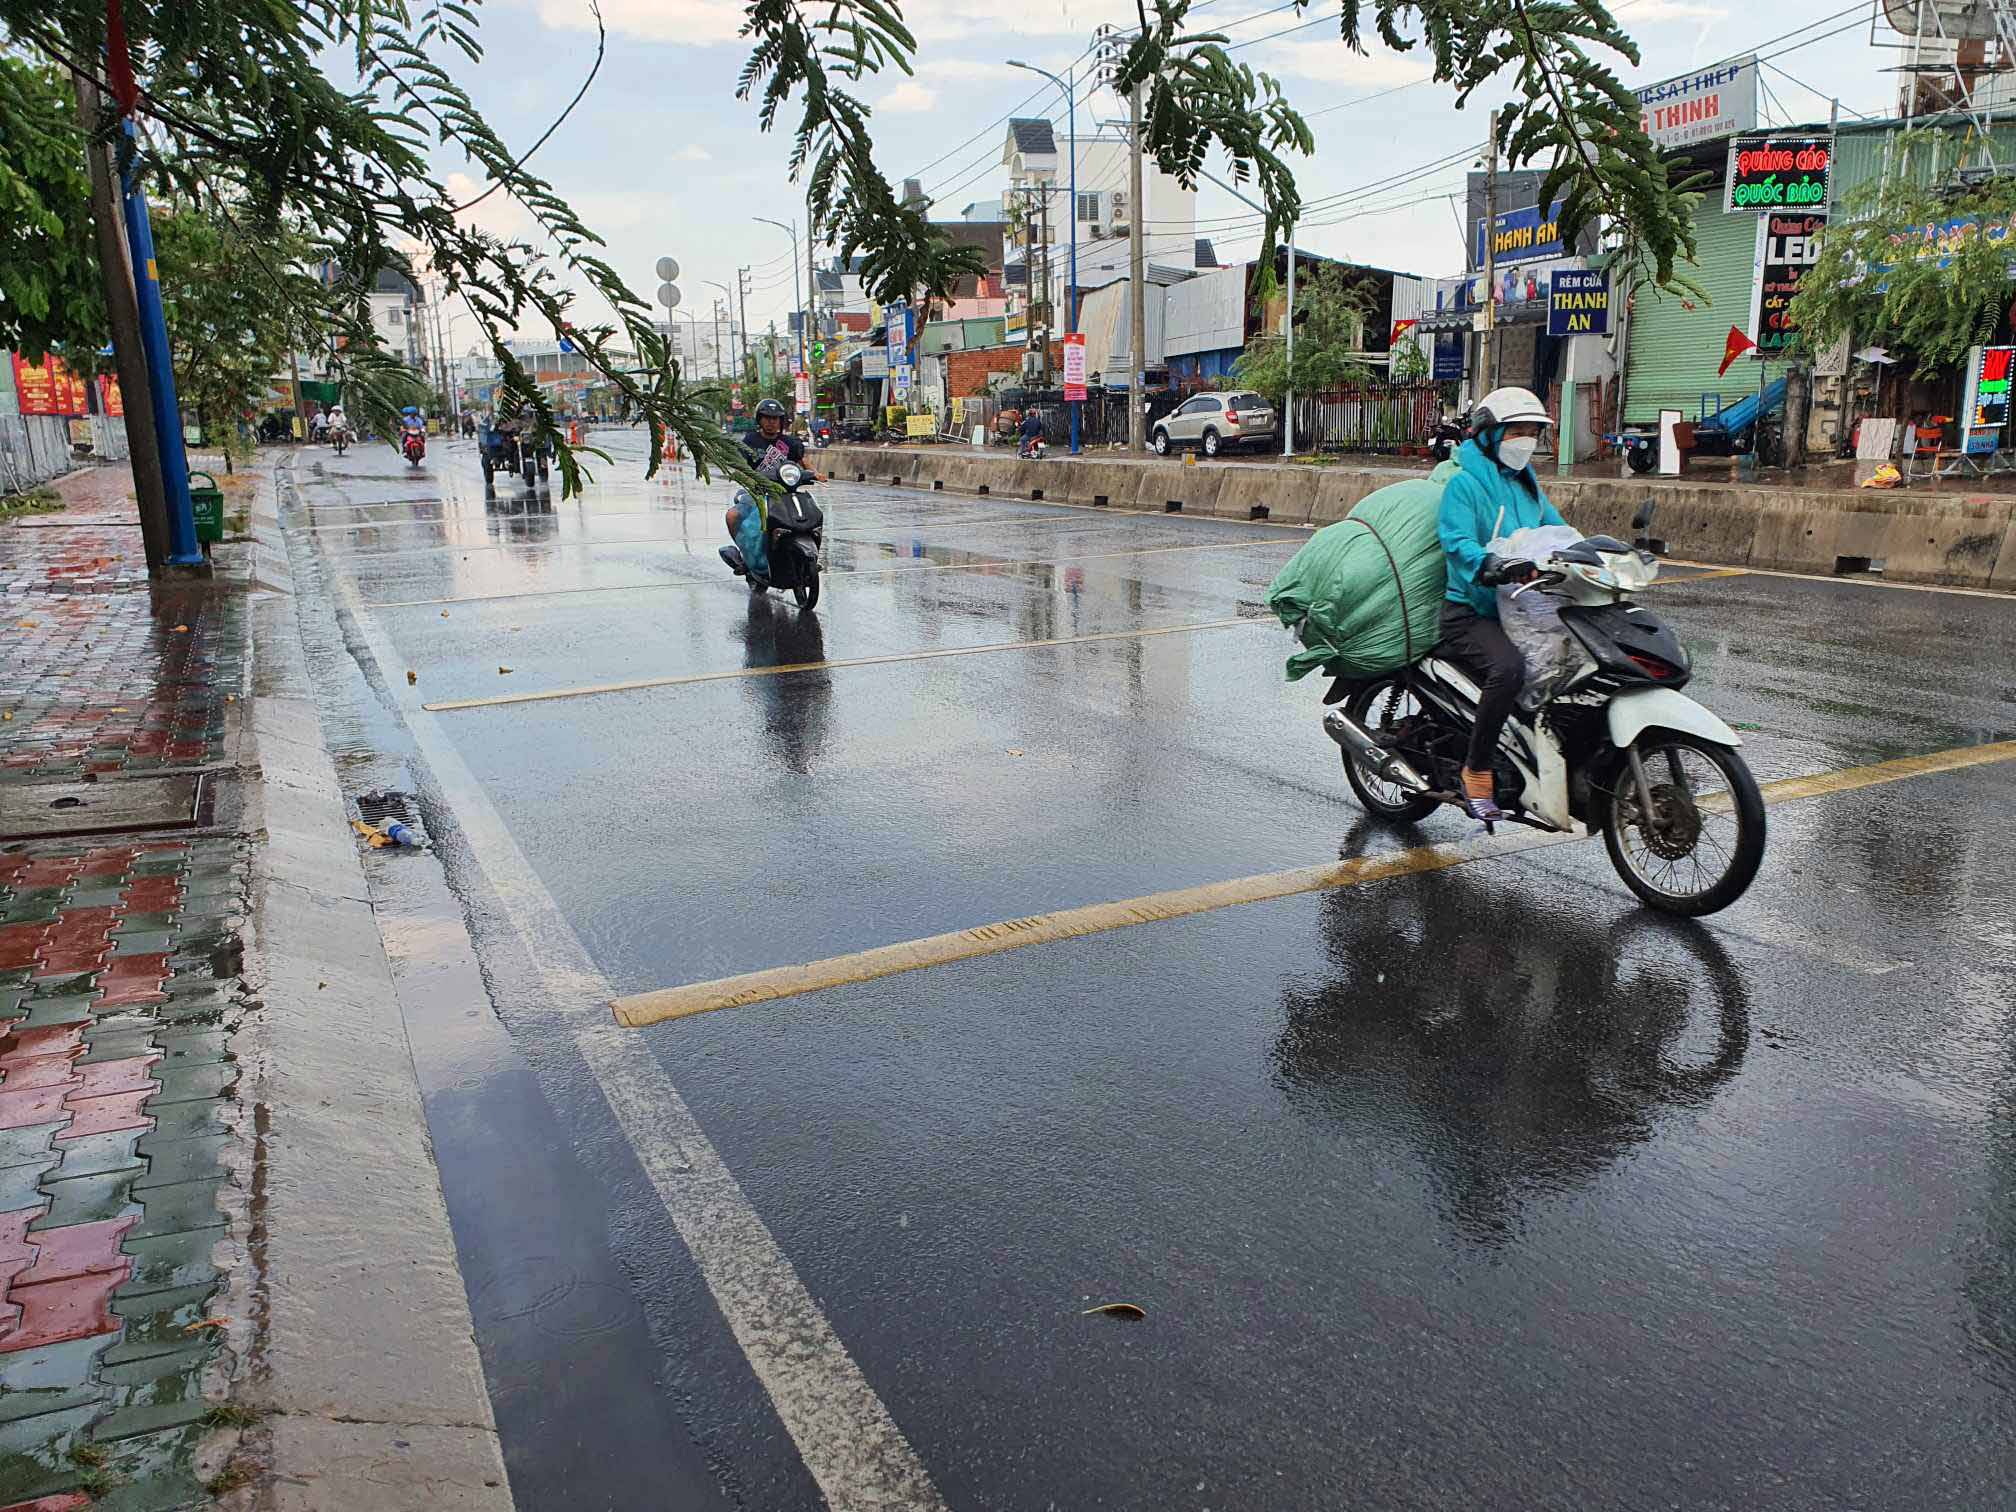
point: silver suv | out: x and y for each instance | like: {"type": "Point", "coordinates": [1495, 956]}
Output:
{"type": "Point", "coordinates": [1216, 422]}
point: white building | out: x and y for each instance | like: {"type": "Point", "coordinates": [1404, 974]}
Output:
{"type": "Point", "coordinates": [1039, 176]}
{"type": "Point", "coordinates": [704, 346]}
{"type": "Point", "coordinates": [396, 310]}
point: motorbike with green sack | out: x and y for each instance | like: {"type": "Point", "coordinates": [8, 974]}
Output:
{"type": "Point", "coordinates": [1602, 740]}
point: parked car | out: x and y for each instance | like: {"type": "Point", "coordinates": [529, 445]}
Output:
{"type": "Point", "coordinates": [1217, 422]}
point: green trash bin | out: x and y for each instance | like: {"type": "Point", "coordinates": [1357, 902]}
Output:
{"type": "Point", "coordinates": [207, 501]}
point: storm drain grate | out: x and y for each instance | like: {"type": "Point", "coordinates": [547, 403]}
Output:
{"type": "Point", "coordinates": [376, 808]}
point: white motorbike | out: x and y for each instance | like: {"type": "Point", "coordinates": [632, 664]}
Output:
{"type": "Point", "coordinates": [1615, 746]}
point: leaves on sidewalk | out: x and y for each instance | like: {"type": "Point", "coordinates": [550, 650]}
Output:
{"type": "Point", "coordinates": [1116, 1310]}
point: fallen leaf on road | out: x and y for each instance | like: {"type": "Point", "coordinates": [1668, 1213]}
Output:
{"type": "Point", "coordinates": [503, 671]}
{"type": "Point", "coordinates": [181, 630]}
{"type": "Point", "coordinates": [1013, 752]}
{"type": "Point", "coordinates": [412, 677]}
{"type": "Point", "coordinates": [230, 698]}
{"type": "Point", "coordinates": [202, 1323]}
{"type": "Point", "coordinates": [444, 614]}
{"type": "Point", "coordinates": [1116, 1310]}
{"type": "Point", "coordinates": [8, 715]}
{"type": "Point", "coordinates": [24, 625]}
{"type": "Point", "coordinates": [117, 709]}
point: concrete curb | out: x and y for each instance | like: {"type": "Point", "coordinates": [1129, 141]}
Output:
{"type": "Point", "coordinates": [1948, 538]}
{"type": "Point", "coordinates": [361, 1350]}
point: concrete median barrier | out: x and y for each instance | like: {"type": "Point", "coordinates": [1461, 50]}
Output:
{"type": "Point", "coordinates": [1918, 537]}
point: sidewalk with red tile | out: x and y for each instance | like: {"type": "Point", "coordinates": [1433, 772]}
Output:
{"type": "Point", "coordinates": [119, 995]}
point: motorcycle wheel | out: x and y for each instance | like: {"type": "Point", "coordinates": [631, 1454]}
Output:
{"type": "Point", "coordinates": [808, 595]}
{"type": "Point", "coordinates": [1705, 841]}
{"type": "Point", "coordinates": [1380, 797]}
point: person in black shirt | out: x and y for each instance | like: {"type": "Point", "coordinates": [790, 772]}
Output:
{"type": "Point", "coordinates": [769, 447]}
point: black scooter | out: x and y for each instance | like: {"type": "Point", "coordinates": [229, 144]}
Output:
{"type": "Point", "coordinates": [794, 533]}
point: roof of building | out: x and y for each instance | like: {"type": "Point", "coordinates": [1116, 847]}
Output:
{"type": "Point", "coordinates": [1033, 135]}
{"type": "Point", "coordinates": [1207, 255]}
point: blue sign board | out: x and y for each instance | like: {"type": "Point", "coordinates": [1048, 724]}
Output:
{"type": "Point", "coordinates": [1522, 236]}
{"type": "Point", "coordinates": [1448, 367]}
{"type": "Point", "coordinates": [1578, 303]}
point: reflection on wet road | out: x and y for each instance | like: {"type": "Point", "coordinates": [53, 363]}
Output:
{"type": "Point", "coordinates": [1476, 1187]}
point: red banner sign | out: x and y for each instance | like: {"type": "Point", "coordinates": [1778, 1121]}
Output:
{"type": "Point", "coordinates": [109, 398]}
{"type": "Point", "coordinates": [1074, 367]}
{"type": "Point", "coordinates": [48, 388]}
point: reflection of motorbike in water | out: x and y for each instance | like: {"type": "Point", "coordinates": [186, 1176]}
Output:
{"type": "Point", "coordinates": [794, 704]}
{"type": "Point", "coordinates": [529, 518]}
{"type": "Point", "coordinates": [1523, 1049]}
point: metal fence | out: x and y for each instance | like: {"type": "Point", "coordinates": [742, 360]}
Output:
{"type": "Point", "coordinates": [36, 448]}
{"type": "Point", "coordinates": [1370, 419]}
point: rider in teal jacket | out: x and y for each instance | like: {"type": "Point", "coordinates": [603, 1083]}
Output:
{"type": "Point", "coordinates": [1494, 495]}
{"type": "Point", "coordinates": [1486, 501]}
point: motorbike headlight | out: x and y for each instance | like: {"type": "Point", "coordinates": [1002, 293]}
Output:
{"type": "Point", "coordinates": [790, 475]}
{"type": "Point", "coordinates": [1634, 571]}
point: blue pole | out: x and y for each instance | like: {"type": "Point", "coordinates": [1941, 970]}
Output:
{"type": "Point", "coordinates": [1071, 297]}
{"type": "Point", "coordinates": [182, 548]}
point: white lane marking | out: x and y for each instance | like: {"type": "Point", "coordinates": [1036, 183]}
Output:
{"type": "Point", "coordinates": [842, 1430]}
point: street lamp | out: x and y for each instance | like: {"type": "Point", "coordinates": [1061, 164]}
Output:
{"type": "Point", "coordinates": [1068, 85]}
{"type": "Point", "coordinates": [804, 336]}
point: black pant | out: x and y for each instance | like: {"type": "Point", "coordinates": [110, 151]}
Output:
{"type": "Point", "coordinates": [1480, 647]}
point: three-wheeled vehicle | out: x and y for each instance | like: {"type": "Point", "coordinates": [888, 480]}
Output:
{"type": "Point", "coordinates": [507, 451]}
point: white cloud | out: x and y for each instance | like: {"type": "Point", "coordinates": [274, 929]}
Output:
{"type": "Point", "coordinates": [1329, 61]}
{"type": "Point", "coordinates": [695, 23]}
{"type": "Point", "coordinates": [1673, 10]}
{"type": "Point", "coordinates": [693, 152]}
{"type": "Point", "coordinates": [907, 96]}
{"type": "Point", "coordinates": [700, 23]}
{"type": "Point", "coordinates": [500, 214]}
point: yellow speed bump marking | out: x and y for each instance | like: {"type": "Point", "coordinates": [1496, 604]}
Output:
{"type": "Point", "coordinates": [1701, 577]}
{"type": "Point", "coordinates": [644, 1008]}
{"type": "Point", "coordinates": [1043, 929]}
{"type": "Point", "coordinates": [1845, 579]}
{"type": "Point", "coordinates": [638, 684]}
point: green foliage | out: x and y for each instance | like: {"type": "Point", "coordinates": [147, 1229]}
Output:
{"type": "Point", "coordinates": [1867, 279]}
{"type": "Point", "coordinates": [1570, 112]}
{"type": "Point", "coordinates": [1408, 363]}
{"type": "Point", "coordinates": [228, 327]}
{"type": "Point", "coordinates": [49, 293]}
{"type": "Point", "coordinates": [1331, 306]}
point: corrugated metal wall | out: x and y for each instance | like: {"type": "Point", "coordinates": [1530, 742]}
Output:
{"type": "Point", "coordinates": [1675, 350]}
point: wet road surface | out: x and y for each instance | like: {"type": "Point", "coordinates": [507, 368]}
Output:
{"type": "Point", "coordinates": [1477, 1188]}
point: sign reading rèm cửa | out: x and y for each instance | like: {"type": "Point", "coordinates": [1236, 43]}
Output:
{"type": "Point", "coordinates": [1578, 303]}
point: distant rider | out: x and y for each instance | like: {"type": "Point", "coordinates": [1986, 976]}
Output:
{"type": "Point", "coordinates": [769, 447]}
{"type": "Point", "coordinates": [1032, 431]}
{"type": "Point", "coordinates": [1495, 494]}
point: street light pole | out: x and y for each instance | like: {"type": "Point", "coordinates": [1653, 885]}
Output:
{"type": "Point", "coordinates": [1069, 85]}
{"type": "Point", "coordinates": [804, 336]}
{"type": "Point", "coordinates": [728, 295]}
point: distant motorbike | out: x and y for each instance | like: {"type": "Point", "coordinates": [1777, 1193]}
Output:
{"type": "Point", "coordinates": [414, 445]}
{"type": "Point", "coordinates": [794, 531]}
{"type": "Point", "coordinates": [1034, 450]}
{"type": "Point", "coordinates": [339, 438]}
{"type": "Point", "coordinates": [1446, 437]}
{"type": "Point", "coordinates": [508, 452]}
{"type": "Point", "coordinates": [1615, 746]}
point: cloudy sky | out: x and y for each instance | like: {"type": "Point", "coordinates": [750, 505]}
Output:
{"type": "Point", "coordinates": [662, 158]}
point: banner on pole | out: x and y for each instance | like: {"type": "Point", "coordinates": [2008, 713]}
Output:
{"type": "Point", "coordinates": [1074, 366]}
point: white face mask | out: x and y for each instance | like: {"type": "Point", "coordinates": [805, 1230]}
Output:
{"type": "Point", "coordinates": [1516, 451]}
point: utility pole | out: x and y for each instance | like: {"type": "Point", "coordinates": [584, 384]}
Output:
{"type": "Point", "coordinates": [717, 341]}
{"type": "Point", "coordinates": [1049, 288]}
{"type": "Point", "coordinates": [1137, 294]}
{"type": "Point", "coordinates": [1484, 382]}
{"type": "Point", "coordinates": [811, 293]}
{"type": "Point", "coordinates": [123, 315]}
{"type": "Point", "coordinates": [742, 298]}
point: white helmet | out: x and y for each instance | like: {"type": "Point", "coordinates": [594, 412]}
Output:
{"type": "Point", "coordinates": [1508, 406]}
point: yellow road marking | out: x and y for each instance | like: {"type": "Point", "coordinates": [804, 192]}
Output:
{"type": "Point", "coordinates": [1701, 577]}
{"type": "Point", "coordinates": [643, 1008]}
{"type": "Point", "coordinates": [720, 582]}
{"type": "Point", "coordinates": [640, 683]}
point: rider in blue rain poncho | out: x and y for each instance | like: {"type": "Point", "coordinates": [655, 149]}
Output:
{"type": "Point", "coordinates": [1495, 494]}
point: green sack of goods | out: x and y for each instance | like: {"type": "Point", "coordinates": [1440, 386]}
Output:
{"type": "Point", "coordinates": [1365, 595]}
